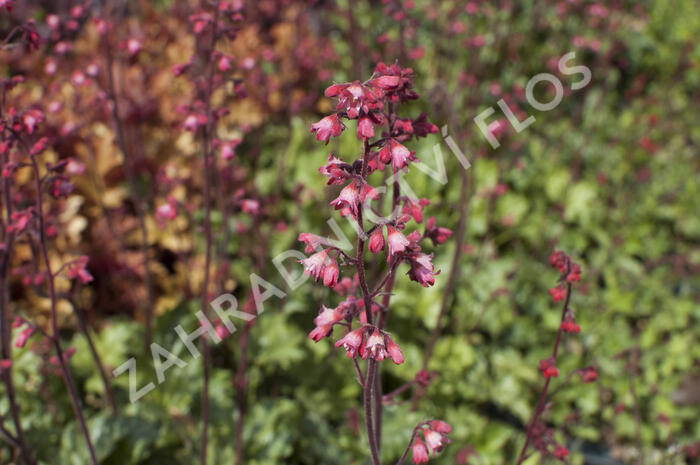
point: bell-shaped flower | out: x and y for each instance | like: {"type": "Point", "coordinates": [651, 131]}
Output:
{"type": "Point", "coordinates": [376, 240]}
{"type": "Point", "coordinates": [324, 322]}
{"type": "Point", "coordinates": [394, 351]}
{"type": "Point", "coordinates": [397, 241]}
{"type": "Point", "coordinates": [422, 269]}
{"type": "Point", "coordinates": [336, 169]}
{"type": "Point", "coordinates": [375, 347]}
{"type": "Point", "coordinates": [327, 127]}
{"type": "Point", "coordinates": [321, 265]}
{"type": "Point", "coordinates": [351, 342]}
{"type": "Point", "coordinates": [420, 452]}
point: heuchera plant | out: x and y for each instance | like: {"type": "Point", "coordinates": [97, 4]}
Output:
{"type": "Point", "coordinates": [362, 315]}
{"type": "Point", "coordinates": [539, 437]}
{"type": "Point", "coordinates": [29, 218]}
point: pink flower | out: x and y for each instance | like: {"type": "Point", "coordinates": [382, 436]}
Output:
{"type": "Point", "coordinates": [324, 322]}
{"type": "Point", "coordinates": [548, 368]}
{"type": "Point", "coordinates": [330, 274]}
{"type": "Point", "coordinates": [399, 155]}
{"type": "Point", "coordinates": [376, 240]}
{"type": "Point", "coordinates": [437, 235]}
{"type": "Point", "coordinates": [397, 241]}
{"type": "Point", "coordinates": [78, 78]}
{"type": "Point", "coordinates": [415, 209]}
{"type": "Point", "coordinates": [394, 351]}
{"type": "Point", "coordinates": [250, 206]}
{"type": "Point", "coordinates": [191, 123]}
{"type": "Point", "coordinates": [420, 452]}
{"type": "Point", "coordinates": [77, 269]}
{"type": "Point", "coordinates": [560, 451]}
{"type": "Point", "coordinates": [434, 440]}
{"type": "Point", "coordinates": [355, 98]}
{"type": "Point", "coordinates": [24, 336]}
{"type": "Point", "coordinates": [228, 149]}
{"type": "Point", "coordinates": [588, 374]}
{"type": "Point", "coordinates": [327, 127]}
{"type": "Point", "coordinates": [351, 342]}
{"type": "Point", "coordinates": [31, 119]}
{"type": "Point", "coordinates": [350, 196]}
{"type": "Point", "coordinates": [569, 325]}
{"type": "Point", "coordinates": [575, 274]}
{"type": "Point", "coordinates": [559, 260]}
{"type": "Point", "coordinates": [50, 67]}
{"type": "Point", "coordinates": [337, 170]}
{"type": "Point", "coordinates": [5, 364]}
{"type": "Point", "coordinates": [224, 64]}
{"type": "Point", "coordinates": [422, 269]}
{"type": "Point", "coordinates": [440, 426]}
{"type": "Point", "coordinates": [365, 129]}
{"type": "Point", "coordinates": [314, 264]}
{"type": "Point", "coordinates": [312, 241]}
{"type": "Point", "coordinates": [558, 293]}
{"type": "Point", "coordinates": [375, 347]}
{"type": "Point", "coordinates": [496, 128]}
{"type": "Point", "coordinates": [20, 220]}
{"type": "Point", "coordinates": [385, 82]}
{"type": "Point", "coordinates": [53, 22]}
{"type": "Point", "coordinates": [133, 46]}
{"type": "Point", "coordinates": [320, 265]}
{"type": "Point", "coordinates": [221, 331]}
{"type": "Point", "coordinates": [422, 127]}
{"type": "Point", "coordinates": [75, 167]}
{"type": "Point", "coordinates": [166, 212]}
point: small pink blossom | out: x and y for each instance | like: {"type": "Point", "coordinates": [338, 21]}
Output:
{"type": "Point", "coordinates": [397, 241]}
{"type": "Point", "coordinates": [365, 128]}
{"type": "Point", "coordinates": [166, 212]}
{"type": "Point", "coordinates": [376, 240]}
{"type": "Point", "coordinates": [397, 154]}
{"type": "Point", "coordinates": [327, 127]}
{"type": "Point", "coordinates": [351, 342]}
{"type": "Point", "coordinates": [24, 336]}
{"type": "Point", "coordinates": [77, 269]}
{"type": "Point", "coordinates": [375, 347]}
{"type": "Point", "coordinates": [420, 452]}
{"type": "Point", "coordinates": [394, 351]}
{"type": "Point", "coordinates": [133, 46]}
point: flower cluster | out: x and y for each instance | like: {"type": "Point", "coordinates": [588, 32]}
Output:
{"type": "Point", "coordinates": [373, 106]}
{"type": "Point", "coordinates": [539, 436]}
{"type": "Point", "coordinates": [435, 435]}
{"type": "Point", "coordinates": [370, 341]}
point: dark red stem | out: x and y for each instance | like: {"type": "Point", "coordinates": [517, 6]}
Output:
{"type": "Point", "coordinates": [543, 395]}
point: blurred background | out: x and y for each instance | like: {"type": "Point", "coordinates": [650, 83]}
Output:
{"type": "Point", "coordinates": [610, 176]}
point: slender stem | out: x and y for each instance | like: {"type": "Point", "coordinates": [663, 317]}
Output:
{"type": "Point", "coordinates": [206, 156]}
{"type": "Point", "coordinates": [5, 329]}
{"type": "Point", "coordinates": [358, 372]}
{"type": "Point", "coordinates": [109, 395]}
{"type": "Point", "coordinates": [543, 395]}
{"type": "Point", "coordinates": [397, 391]}
{"type": "Point", "coordinates": [367, 403]}
{"type": "Point", "coordinates": [75, 400]}
{"type": "Point", "coordinates": [410, 443]}
{"type": "Point", "coordinates": [369, 384]}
